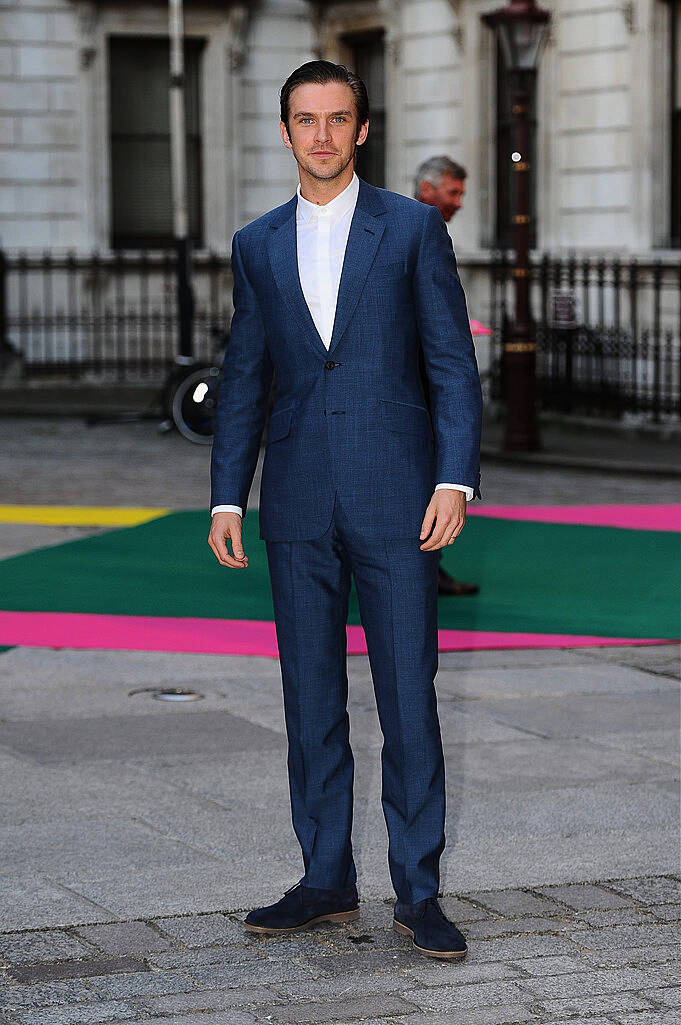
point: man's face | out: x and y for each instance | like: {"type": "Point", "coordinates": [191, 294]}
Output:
{"type": "Point", "coordinates": [323, 128]}
{"type": "Point", "coordinates": [447, 196]}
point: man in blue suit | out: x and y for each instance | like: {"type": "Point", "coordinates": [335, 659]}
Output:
{"type": "Point", "coordinates": [334, 293]}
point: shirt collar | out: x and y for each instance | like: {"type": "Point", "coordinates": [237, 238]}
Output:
{"type": "Point", "coordinates": [333, 210]}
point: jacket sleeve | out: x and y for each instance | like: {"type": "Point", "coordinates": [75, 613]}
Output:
{"type": "Point", "coordinates": [242, 397]}
{"type": "Point", "coordinates": [449, 355]}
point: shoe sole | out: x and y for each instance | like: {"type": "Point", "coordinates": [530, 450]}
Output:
{"type": "Point", "coordinates": [339, 917]}
{"type": "Point", "coordinates": [442, 955]}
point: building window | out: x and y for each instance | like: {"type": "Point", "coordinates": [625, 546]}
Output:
{"type": "Point", "coordinates": [675, 133]}
{"type": "Point", "coordinates": [505, 191]}
{"type": "Point", "coordinates": [367, 59]}
{"type": "Point", "coordinates": [139, 126]}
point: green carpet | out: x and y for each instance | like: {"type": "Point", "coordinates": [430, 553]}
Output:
{"type": "Point", "coordinates": [534, 577]}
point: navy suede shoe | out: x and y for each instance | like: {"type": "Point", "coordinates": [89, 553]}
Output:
{"type": "Point", "coordinates": [302, 906]}
{"type": "Point", "coordinates": [432, 933]}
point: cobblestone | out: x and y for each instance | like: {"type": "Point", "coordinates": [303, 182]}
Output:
{"type": "Point", "coordinates": [207, 1000]}
{"type": "Point", "coordinates": [327, 1011]}
{"type": "Point", "coordinates": [50, 945]}
{"type": "Point", "coordinates": [582, 897]}
{"type": "Point", "coordinates": [75, 1014]}
{"type": "Point", "coordinates": [654, 890]}
{"type": "Point", "coordinates": [512, 903]}
{"type": "Point", "coordinates": [583, 984]}
{"type": "Point", "coordinates": [669, 996]}
{"type": "Point", "coordinates": [619, 973]}
{"type": "Point", "coordinates": [601, 1004]}
{"type": "Point", "coordinates": [648, 1018]}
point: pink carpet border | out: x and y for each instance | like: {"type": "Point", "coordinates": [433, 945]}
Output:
{"type": "Point", "coordinates": [628, 517]}
{"type": "Point", "coordinates": [236, 636]}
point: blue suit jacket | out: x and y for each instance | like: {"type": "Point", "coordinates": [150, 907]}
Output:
{"type": "Point", "coordinates": [352, 419]}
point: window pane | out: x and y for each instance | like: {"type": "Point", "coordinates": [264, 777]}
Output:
{"type": "Point", "coordinates": [368, 61]}
{"type": "Point", "coordinates": [140, 141]}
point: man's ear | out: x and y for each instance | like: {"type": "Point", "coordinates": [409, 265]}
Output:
{"type": "Point", "coordinates": [284, 135]}
{"type": "Point", "coordinates": [363, 132]}
{"type": "Point", "coordinates": [426, 192]}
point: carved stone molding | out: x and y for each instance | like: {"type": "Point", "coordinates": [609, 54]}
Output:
{"type": "Point", "coordinates": [238, 22]}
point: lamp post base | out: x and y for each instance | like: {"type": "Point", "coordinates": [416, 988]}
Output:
{"type": "Point", "coordinates": [522, 433]}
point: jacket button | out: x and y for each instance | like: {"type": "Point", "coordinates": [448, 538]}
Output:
{"type": "Point", "coordinates": [329, 364]}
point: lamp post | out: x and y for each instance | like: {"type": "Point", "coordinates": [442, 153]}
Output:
{"type": "Point", "coordinates": [520, 28]}
{"type": "Point", "coordinates": [178, 161]}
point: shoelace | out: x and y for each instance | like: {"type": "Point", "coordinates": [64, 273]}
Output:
{"type": "Point", "coordinates": [433, 902]}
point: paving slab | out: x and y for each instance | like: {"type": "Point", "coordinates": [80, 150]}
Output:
{"type": "Point", "coordinates": [124, 938]}
{"type": "Point", "coordinates": [582, 984]}
{"type": "Point", "coordinates": [77, 1014]}
{"type": "Point", "coordinates": [660, 1017]}
{"type": "Point", "coordinates": [512, 903]}
{"type": "Point", "coordinates": [70, 991]}
{"type": "Point", "coordinates": [139, 736]}
{"type": "Point", "coordinates": [459, 997]}
{"type": "Point", "coordinates": [47, 945]}
{"type": "Point", "coordinates": [583, 1004]}
{"type": "Point", "coordinates": [582, 897]}
{"type": "Point", "coordinates": [336, 1011]}
{"type": "Point", "coordinates": [200, 1001]}
{"type": "Point", "coordinates": [626, 936]}
{"type": "Point", "coordinates": [652, 890]}
{"type": "Point", "coordinates": [201, 930]}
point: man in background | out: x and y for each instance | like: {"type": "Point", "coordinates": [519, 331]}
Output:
{"type": "Point", "coordinates": [441, 182]}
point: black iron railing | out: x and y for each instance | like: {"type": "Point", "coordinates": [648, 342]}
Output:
{"type": "Point", "coordinates": [110, 318]}
{"type": "Point", "coordinates": [606, 331]}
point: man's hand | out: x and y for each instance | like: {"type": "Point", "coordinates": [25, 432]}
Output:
{"type": "Point", "coordinates": [447, 510]}
{"type": "Point", "coordinates": [227, 525]}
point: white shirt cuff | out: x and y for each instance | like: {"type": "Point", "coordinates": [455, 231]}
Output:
{"type": "Point", "coordinates": [226, 508]}
{"type": "Point", "coordinates": [468, 492]}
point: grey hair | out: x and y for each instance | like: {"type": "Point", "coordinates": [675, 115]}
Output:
{"type": "Point", "coordinates": [434, 169]}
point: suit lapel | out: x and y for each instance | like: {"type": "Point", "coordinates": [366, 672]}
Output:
{"type": "Point", "coordinates": [366, 231]}
{"type": "Point", "coordinates": [283, 254]}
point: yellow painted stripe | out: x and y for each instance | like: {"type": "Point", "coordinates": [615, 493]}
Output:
{"type": "Point", "coordinates": [79, 515]}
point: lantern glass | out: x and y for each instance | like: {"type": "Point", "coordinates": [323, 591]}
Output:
{"type": "Point", "coordinates": [521, 42]}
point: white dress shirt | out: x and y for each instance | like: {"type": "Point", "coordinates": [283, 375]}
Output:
{"type": "Point", "coordinates": [321, 236]}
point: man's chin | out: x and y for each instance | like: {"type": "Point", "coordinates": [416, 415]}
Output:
{"type": "Point", "coordinates": [322, 171]}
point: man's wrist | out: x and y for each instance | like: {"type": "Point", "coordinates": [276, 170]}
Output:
{"type": "Point", "coordinates": [227, 508]}
{"type": "Point", "coordinates": [468, 492]}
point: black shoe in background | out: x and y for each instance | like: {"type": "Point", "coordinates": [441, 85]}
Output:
{"type": "Point", "coordinates": [447, 584]}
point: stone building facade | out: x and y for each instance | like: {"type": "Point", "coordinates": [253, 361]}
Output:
{"type": "Point", "coordinates": [606, 100]}
{"type": "Point", "coordinates": [85, 168]}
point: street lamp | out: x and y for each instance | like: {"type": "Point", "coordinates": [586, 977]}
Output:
{"type": "Point", "coordinates": [520, 28]}
{"type": "Point", "coordinates": [178, 161]}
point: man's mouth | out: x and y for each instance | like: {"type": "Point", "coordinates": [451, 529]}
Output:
{"type": "Point", "coordinates": [322, 153]}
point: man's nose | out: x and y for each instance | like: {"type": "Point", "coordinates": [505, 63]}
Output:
{"type": "Point", "coordinates": [322, 132]}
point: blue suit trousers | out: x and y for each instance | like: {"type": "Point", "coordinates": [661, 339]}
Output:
{"type": "Point", "coordinates": [396, 585]}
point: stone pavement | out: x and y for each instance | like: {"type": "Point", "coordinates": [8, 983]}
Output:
{"type": "Point", "coordinates": [599, 953]}
{"type": "Point", "coordinates": [136, 833]}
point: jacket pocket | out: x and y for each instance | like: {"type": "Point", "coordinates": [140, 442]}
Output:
{"type": "Point", "coordinates": [405, 418]}
{"type": "Point", "coordinates": [279, 425]}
